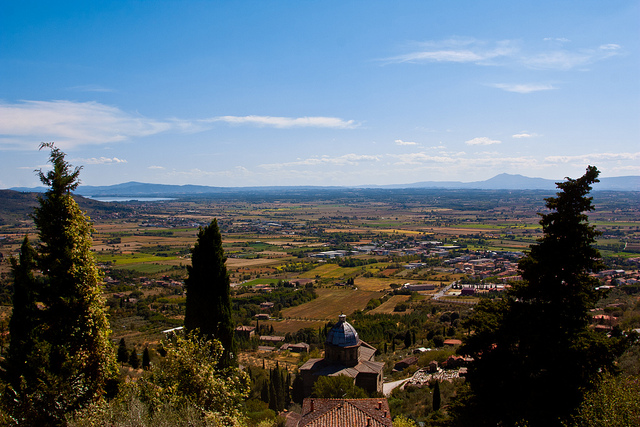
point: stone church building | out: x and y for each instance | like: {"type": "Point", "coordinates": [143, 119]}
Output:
{"type": "Point", "coordinates": [345, 354]}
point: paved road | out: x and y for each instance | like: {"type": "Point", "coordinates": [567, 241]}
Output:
{"type": "Point", "coordinates": [387, 388]}
{"type": "Point", "coordinates": [443, 291]}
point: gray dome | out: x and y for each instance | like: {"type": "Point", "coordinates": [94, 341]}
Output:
{"type": "Point", "coordinates": [343, 334]}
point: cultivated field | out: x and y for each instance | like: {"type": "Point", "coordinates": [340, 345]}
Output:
{"type": "Point", "coordinates": [285, 326]}
{"type": "Point", "coordinates": [388, 306]}
{"type": "Point", "coordinates": [330, 304]}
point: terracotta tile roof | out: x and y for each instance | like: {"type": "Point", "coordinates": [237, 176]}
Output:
{"type": "Point", "coordinates": [345, 413]}
{"type": "Point", "coordinates": [322, 367]}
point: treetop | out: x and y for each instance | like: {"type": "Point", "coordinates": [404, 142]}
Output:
{"type": "Point", "coordinates": [61, 179]}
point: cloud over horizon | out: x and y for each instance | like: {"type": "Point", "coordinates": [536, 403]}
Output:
{"type": "Point", "coordinates": [99, 161]}
{"type": "Point", "coordinates": [523, 88]}
{"type": "Point", "coordinates": [72, 124]}
{"type": "Point", "coordinates": [482, 141]}
{"type": "Point", "coordinates": [286, 122]}
{"type": "Point", "coordinates": [505, 52]}
{"type": "Point", "coordinates": [401, 142]}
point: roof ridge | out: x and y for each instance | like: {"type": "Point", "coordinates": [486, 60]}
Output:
{"type": "Point", "coordinates": [337, 404]}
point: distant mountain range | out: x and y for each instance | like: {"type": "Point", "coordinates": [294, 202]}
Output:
{"type": "Point", "coordinates": [499, 182]}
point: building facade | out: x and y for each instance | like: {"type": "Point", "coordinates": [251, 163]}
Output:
{"type": "Point", "coordinates": [345, 354]}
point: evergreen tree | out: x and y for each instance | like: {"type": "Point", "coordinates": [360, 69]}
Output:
{"type": "Point", "coordinates": [208, 306]}
{"type": "Point", "coordinates": [24, 317]}
{"type": "Point", "coordinates": [276, 389]}
{"type": "Point", "coordinates": [273, 398]}
{"type": "Point", "coordinates": [297, 389]}
{"type": "Point", "coordinates": [146, 359]}
{"type": "Point", "coordinates": [134, 360]}
{"type": "Point", "coordinates": [534, 353]}
{"type": "Point", "coordinates": [264, 391]}
{"type": "Point", "coordinates": [123, 353]}
{"type": "Point", "coordinates": [287, 390]}
{"type": "Point", "coordinates": [437, 398]}
{"type": "Point", "coordinates": [73, 359]}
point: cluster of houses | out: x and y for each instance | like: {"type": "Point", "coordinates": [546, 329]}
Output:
{"type": "Point", "coordinates": [614, 278]}
{"type": "Point", "coordinates": [166, 282]}
{"type": "Point", "coordinates": [257, 226]}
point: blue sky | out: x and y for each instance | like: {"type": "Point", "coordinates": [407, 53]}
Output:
{"type": "Point", "coordinates": [245, 93]}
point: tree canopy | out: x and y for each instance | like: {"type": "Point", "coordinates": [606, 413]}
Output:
{"type": "Point", "coordinates": [208, 305]}
{"type": "Point", "coordinates": [339, 387]}
{"type": "Point", "coordinates": [534, 353]}
{"type": "Point", "coordinates": [69, 359]}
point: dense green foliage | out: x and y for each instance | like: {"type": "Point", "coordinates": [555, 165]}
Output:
{"type": "Point", "coordinates": [24, 318]}
{"type": "Point", "coordinates": [613, 402]}
{"type": "Point", "coordinates": [534, 351]}
{"type": "Point", "coordinates": [67, 357]}
{"type": "Point", "coordinates": [208, 306]}
{"type": "Point", "coordinates": [185, 388]}
{"type": "Point", "coordinates": [123, 353]}
{"type": "Point", "coordinates": [339, 387]}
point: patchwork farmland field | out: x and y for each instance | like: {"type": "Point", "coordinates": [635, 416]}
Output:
{"type": "Point", "coordinates": [285, 326]}
{"type": "Point", "coordinates": [331, 303]}
{"type": "Point", "coordinates": [388, 306]}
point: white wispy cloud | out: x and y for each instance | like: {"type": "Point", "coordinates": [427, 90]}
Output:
{"type": "Point", "coordinates": [286, 122]}
{"type": "Point", "coordinates": [156, 167]}
{"type": "Point", "coordinates": [344, 160]}
{"type": "Point", "coordinates": [99, 161]}
{"type": "Point", "coordinates": [91, 88]}
{"type": "Point", "coordinates": [482, 141]}
{"type": "Point", "coordinates": [70, 124]}
{"type": "Point", "coordinates": [524, 135]}
{"type": "Point", "coordinates": [457, 50]}
{"type": "Point", "coordinates": [401, 142]}
{"type": "Point", "coordinates": [507, 52]}
{"type": "Point", "coordinates": [461, 162]}
{"type": "Point", "coordinates": [566, 59]}
{"type": "Point", "coordinates": [556, 39]}
{"type": "Point", "coordinates": [594, 157]}
{"type": "Point", "coordinates": [523, 87]}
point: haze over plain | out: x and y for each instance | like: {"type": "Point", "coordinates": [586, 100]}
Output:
{"type": "Point", "coordinates": [257, 93]}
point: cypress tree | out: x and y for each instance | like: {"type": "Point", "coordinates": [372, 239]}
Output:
{"type": "Point", "coordinates": [536, 342]}
{"type": "Point", "coordinates": [264, 391]}
{"type": "Point", "coordinates": [123, 353]}
{"type": "Point", "coordinates": [287, 390]}
{"type": "Point", "coordinates": [437, 399]}
{"type": "Point", "coordinates": [273, 399]}
{"type": "Point", "coordinates": [208, 305]}
{"type": "Point", "coordinates": [146, 359]}
{"type": "Point", "coordinates": [24, 317]}
{"type": "Point", "coordinates": [407, 339]}
{"type": "Point", "coordinates": [134, 360]}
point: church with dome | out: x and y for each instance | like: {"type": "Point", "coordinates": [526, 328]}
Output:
{"type": "Point", "coordinates": [345, 354]}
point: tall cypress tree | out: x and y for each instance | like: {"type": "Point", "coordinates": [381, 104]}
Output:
{"type": "Point", "coordinates": [208, 306]}
{"type": "Point", "coordinates": [146, 359]}
{"type": "Point", "coordinates": [134, 360]}
{"type": "Point", "coordinates": [74, 358]}
{"type": "Point", "coordinates": [534, 352]}
{"type": "Point", "coordinates": [123, 353]}
{"type": "Point", "coordinates": [437, 398]}
{"type": "Point", "coordinates": [24, 318]}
